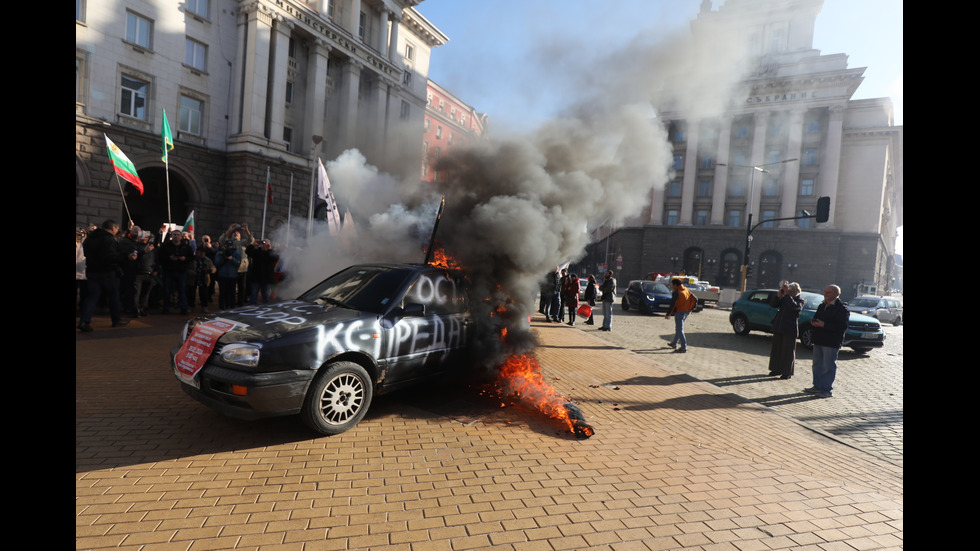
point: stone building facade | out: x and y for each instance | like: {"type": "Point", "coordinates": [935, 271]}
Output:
{"type": "Point", "coordinates": [250, 87]}
{"type": "Point", "coordinates": [790, 134]}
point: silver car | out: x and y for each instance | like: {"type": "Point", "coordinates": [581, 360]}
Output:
{"type": "Point", "coordinates": [888, 309]}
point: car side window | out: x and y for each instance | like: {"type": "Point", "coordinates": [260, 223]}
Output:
{"type": "Point", "coordinates": [760, 297]}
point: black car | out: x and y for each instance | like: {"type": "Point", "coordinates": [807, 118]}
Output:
{"type": "Point", "coordinates": [646, 296]}
{"type": "Point", "coordinates": [364, 331]}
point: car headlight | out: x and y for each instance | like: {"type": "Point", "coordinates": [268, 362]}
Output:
{"type": "Point", "coordinates": [241, 354]}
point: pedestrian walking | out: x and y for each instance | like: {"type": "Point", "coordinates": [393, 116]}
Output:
{"type": "Point", "coordinates": [608, 289]}
{"type": "Point", "coordinates": [103, 270]}
{"type": "Point", "coordinates": [682, 302]}
{"type": "Point", "coordinates": [829, 324]}
{"type": "Point", "coordinates": [570, 289]}
{"type": "Point", "coordinates": [785, 330]}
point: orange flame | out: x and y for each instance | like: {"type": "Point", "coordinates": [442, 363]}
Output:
{"type": "Point", "coordinates": [521, 379]}
{"type": "Point", "coordinates": [442, 259]}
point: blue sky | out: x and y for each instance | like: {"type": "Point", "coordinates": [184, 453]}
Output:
{"type": "Point", "coordinates": [512, 59]}
{"type": "Point", "coordinates": [498, 53]}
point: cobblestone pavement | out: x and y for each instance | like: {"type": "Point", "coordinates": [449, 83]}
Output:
{"type": "Point", "coordinates": [866, 410]}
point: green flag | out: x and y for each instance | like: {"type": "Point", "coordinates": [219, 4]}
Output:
{"type": "Point", "coordinates": [168, 138]}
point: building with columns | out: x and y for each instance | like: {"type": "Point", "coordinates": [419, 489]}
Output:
{"type": "Point", "coordinates": [790, 134]}
{"type": "Point", "coordinates": [249, 87]}
{"type": "Point", "coordinates": [449, 123]}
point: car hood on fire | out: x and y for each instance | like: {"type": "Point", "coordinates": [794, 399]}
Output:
{"type": "Point", "coordinates": [270, 321]}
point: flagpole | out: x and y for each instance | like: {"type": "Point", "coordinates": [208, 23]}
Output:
{"type": "Point", "coordinates": [168, 144]}
{"type": "Point", "coordinates": [125, 204]}
{"type": "Point", "coordinates": [309, 222]}
{"type": "Point", "coordinates": [265, 204]}
{"type": "Point", "coordinates": [289, 210]}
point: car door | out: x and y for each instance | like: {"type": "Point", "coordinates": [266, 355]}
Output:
{"type": "Point", "coordinates": [432, 330]}
{"type": "Point", "coordinates": [759, 312]}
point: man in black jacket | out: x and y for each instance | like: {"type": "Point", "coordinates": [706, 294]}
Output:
{"type": "Point", "coordinates": [829, 325]}
{"type": "Point", "coordinates": [103, 269]}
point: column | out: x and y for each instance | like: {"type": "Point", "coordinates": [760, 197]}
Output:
{"type": "Point", "coordinates": [395, 19]}
{"type": "Point", "coordinates": [791, 171]}
{"type": "Point", "coordinates": [347, 123]}
{"type": "Point", "coordinates": [690, 173]}
{"type": "Point", "coordinates": [276, 107]}
{"type": "Point", "coordinates": [317, 90]}
{"type": "Point", "coordinates": [720, 185]}
{"type": "Point", "coordinates": [251, 70]}
{"type": "Point", "coordinates": [830, 159]}
{"type": "Point", "coordinates": [755, 179]}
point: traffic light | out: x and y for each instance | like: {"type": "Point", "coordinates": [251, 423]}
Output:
{"type": "Point", "coordinates": [823, 209]}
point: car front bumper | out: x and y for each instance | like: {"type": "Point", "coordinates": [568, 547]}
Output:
{"type": "Point", "coordinates": [245, 395]}
{"type": "Point", "coordinates": [858, 340]}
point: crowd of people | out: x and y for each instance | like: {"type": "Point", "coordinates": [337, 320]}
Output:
{"type": "Point", "coordinates": [134, 272]}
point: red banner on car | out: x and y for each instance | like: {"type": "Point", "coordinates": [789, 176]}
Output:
{"type": "Point", "coordinates": [198, 347]}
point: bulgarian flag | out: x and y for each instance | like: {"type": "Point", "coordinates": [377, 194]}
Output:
{"type": "Point", "coordinates": [168, 138]}
{"type": "Point", "coordinates": [189, 224]}
{"type": "Point", "coordinates": [124, 167]}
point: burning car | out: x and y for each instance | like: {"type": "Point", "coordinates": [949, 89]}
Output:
{"type": "Point", "coordinates": [362, 332]}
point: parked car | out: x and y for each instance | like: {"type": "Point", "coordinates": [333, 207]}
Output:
{"type": "Point", "coordinates": [883, 308]}
{"type": "Point", "coordinates": [752, 312]}
{"type": "Point", "coordinates": [646, 296]}
{"type": "Point", "coordinates": [363, 331]}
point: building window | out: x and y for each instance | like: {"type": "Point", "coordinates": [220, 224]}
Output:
{"type": "Point", "coordinates": [407, 80]}
{"type": "Point", "coordinates": [191, 111]}
{"type": "Point", "coordinates": [768, 215]}
{"type": "Point", "coordinates": [774, 156]}
{"type": "Point", "coordinates": [80, 10]}
{"type": "Point", "coordinates": [678, 162]}
{"type": "Point", "coordinates": [742, 131]}
{"type": "Point", "coordinates": [704, 188]}
{"type": "Point", "coordinates": [439, 132]}
{"type": "Point", "coordinates": [406, 111]}
{"type": "Point", "coordinates": [738, 159]}
{"type": "Point", "coordinates": [132, 98]}
{"type": "Point", "coordinates": [329, 9]}
{"type": "Point", "coordinates": [734, 218]}
{"type": "Point", "coordinates": [810, 157]}
{"type": "Point", "coordinates": [425, 148]}
{"type": "Point", "coordinates": [442, 105]}
{"type": "Point", "coordinates": [672, 217]}
{"type": "Point", "coordinates": [803, 222]}
{"type": "Point", "coordinates": [426, 124]}
{"type": "Point", "coordinates": [674, 189]}
{"type": "Point", "coordinates": [770, 188]}
{"type": "Point", "coordinates": [679, 136]}
{"type": "Point", "coordinates": [775, 129]}
{"type": "Point", "coordinates": [362, 26]}
{"type": "Point", "coordinates": [139, 30]}
{"type": "Point", "coordinates": [806, 186]}
{"type": "Point", "coordinates": [450, 138]}
{"type": "Point", "coordinates": [197, 7]}
{"type": "Point", "coordinates": [813, 127]}
{"type": "Point", "coordinates": [735, 188]}
{"type": "Point", "coordinates": [409, 52]}
{"type": "Point", "coordinates": [428, 99]}
{"type": "Point", "coordinates": [707, 161]}
{"type": "Point", "coordinates": [701, 217]}
{"type": "Point", "coordinates": [289, 92]}
{"type": "Point", "coordinates": [195, 54]}
{"type": "Point", "coordinates": [287, 136]}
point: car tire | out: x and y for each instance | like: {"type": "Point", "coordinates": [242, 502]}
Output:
{"type": "Point", "coordinates": [338, 398]}
{"type": "Point", "coordinates": [806, 337]}
{"type": "Point", "coordinates": [626, 305]}
{"type": "Point", "coordinates": [740, 324]}
{"type": "Point", "coordinates": [898, 321]}
{"type": "Point", "coordinates": [861, 349]}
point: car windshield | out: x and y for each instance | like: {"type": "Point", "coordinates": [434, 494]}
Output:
{"type": "Point", "coordinates": [864, 302]}
{"type": "Point", "coordinates": [812, 300]}
{"type": "Point", "coordinates": [365, 288]}
{"type": "Point", "coordinates": [652, 288]}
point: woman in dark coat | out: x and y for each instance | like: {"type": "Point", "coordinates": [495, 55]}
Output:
{"type": "Point", "coordinates": [785, 330]}
{"type": "Point", "coordinates": [590, 297]}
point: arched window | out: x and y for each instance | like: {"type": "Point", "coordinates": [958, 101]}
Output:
{"type": "Point", "coordinates": [693, 260]}
{"type": "Point", "coordinates": [730, 269]}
